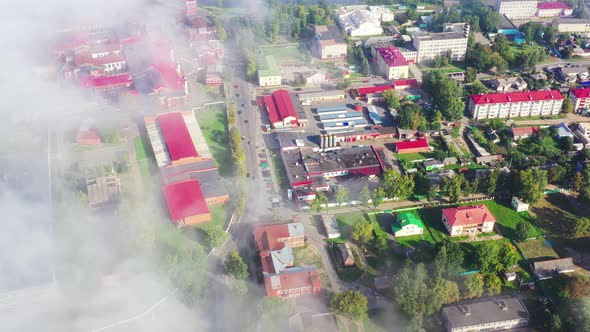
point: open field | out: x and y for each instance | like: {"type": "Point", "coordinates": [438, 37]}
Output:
{"type": "Point", "coordinates": [537, 250]}
{"type": "Point", "coordinates": [555, 215]}
{"type": "Point", "coordinates": [284, 54]}
{"type": "Point", "coordinates": [507, 219]}
{"type": "Point", "coordinates": [213, 123]}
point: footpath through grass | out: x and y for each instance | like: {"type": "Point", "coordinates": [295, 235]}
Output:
{"type": "Point", "coordinates": [144, 156]}
{"type": "Point", "coordinates": [213, 123]}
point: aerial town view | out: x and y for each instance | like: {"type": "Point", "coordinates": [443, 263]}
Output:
{"type": "Point", "coordinates": [295, 165]}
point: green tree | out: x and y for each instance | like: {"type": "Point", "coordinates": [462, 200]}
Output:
{"type": "Point", "coordinates": [488, 19]}
{"type": "Point", "coordinates": [362, 231]}
{"type": "Point", "coordinates": [582, 227]}
{"type": "Point", "coordinates": [531, 31]}
{"type": "Point", "coordinates": [470, 74]}
{"type": "Point", "coordinates": [221, 33]}
{"type": "Point", "coordinates": [493, 284]}
{"type": "Point", "coordinates": [377, 197]}
{"type": "Point", "coordinates": [319, 202]}
{"type": "Point", "coordinates": [492, 181]}
{"type": "Point", "coordinates": [568, 106]}
{"type": "Point", "coordinates": [451, 259]}
{"type": "Point", "coordinates": [342, 195]}
{"type": "Point", "coordinates": [350, 303]}
{"type": "Point", "coordinates": [556, 173]}
{"type": "Point", "coordinates": [508, 256]}
{"type": "Point", "coordinates": [487, 257]}
{"type": "Point", "coordinates": [344, 84]}
{"type": "Point", "coordinates": [453, 186]}
{"type": "Point", "coordinates": [476, 88]}
{"type": "Point", "coordinates": [473, 286]}
{"type": "Point", "coordinates": [365, 195]}
{"type": "Point", "coordinates": [412, 292]}
{"type": "Point", "coordinates": [391, 99]}
{"type": "Point", "coordinates": [551, 322]}
{"type": "Point", "coordinates": [235, 265]}
{"type": "Point", "coordinates": [447, 290]}
{"type": "Point", "coordinates": [215, 235]}
{"type": "Point", "coordinates": [446, 94]}
{"type": "Point", "coordinates": [523, 230]}
{"type": "Point", "coordinates": [378, 245]}
{"type": "Point", "coordinates": [531, 184]}
{"type": "Point", "coordinates": [397, 185]}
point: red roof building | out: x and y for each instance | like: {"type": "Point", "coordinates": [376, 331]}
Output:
{"type": "Point", "coordinates": [281, 111]}
{"type": "Point", "coordinates": [468, 220]}
{"type": "Point", "coordinates": [515, 104]}
{"type": "Point", "coordinates": [553, 9]}
{"type": "Point", "coordinates": [87, 136]}
{"type": "Point", "coordinates": [392, 63]}
{"type": "Point", "coordinates": [191, 7]}
{"type": "Point", "coordinates": [294, 283]}
{"type": "Point", "coordinates": [522, 132]}
{"type": "Point", "coordinates": [364, 91]}
{"type": "Point", "coordinates": [407, 83]}
{"type": "Point", "coordinates": [580, 98]}
{"type": "Point", "coordinates": [186, 203]}
{"type": "Point", "coordinates": [178, 139]}
{"type": "Point", "coordinates": [420, 145]}
{"type": "Point", "coordinates": [104, 83]}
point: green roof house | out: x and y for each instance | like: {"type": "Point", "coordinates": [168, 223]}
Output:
{"type": "Point", "coordinates": [269, 73]}
{"type": "Point", "coordinates": [407, 224]}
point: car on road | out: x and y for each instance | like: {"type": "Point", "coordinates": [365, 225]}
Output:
{"type": "Point", "coordinates": [239, 112]}
{"type": "Point", "coordinates": [236, 86]}
{"type": "Point", "coordinates": [243, 105]}
{"type": "Point", "coordinates": [237, 95]}
{"type": "Point", "coordinates": [249, 142]}
{"type": "Point", "coordinates": [253, 103]}
{"type": "Point", "coordinates": [243, 137]}
{"type": "Point", "coordinates": [245, 121]}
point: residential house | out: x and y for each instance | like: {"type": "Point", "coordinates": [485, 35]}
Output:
{"type": "Point", "coordinates": [436, 178]}
{"type": "Point", "coordinates": [522, 132]}
{"type": "Point", "coordinates": [489, 314]}
{"type": "Point", "coordinates": [519, 205]}
{"type": "Point", "coordinates": [407, 224]}
{"type": "Point", "coordinates": [468, 220]}
{"type": "Point", "coordinates": [416, 146]}
{"type": "Point", "coordinates": [87, 136]}
{"type": "Point", "coordinates": [572, 74]}
{"type": "Point", "coordinates": [433, 164]}
{"type": "Point", "coordinates": [294, 282]}
{"type": "Point", "coordinates": [345, 254]}
{"type": "Point", "coordinates": [329, 43]}
{"type": "Point", "coordinates": [583, 134]}
{"type": "Point", "coordinates": [564, 131]}
{"type": "Point", "coordinates": [103, 191]}
{"type": "Point", "coordinates": [450, 161]}
{"type": "Point", "coordinates": [549, 268]}
{"type": "Point", "coordinates": [508, 84]}
{"type": "Point", "coordinates": [580, 98]}
{"type": "Point", "coordinates": [392, 63]}
{"type": "Point", "coordinates": [488, 159]}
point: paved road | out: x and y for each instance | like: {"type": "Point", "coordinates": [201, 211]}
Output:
{"type": "Point", "coordinates": [570, 118]}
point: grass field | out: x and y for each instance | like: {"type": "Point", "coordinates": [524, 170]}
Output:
{"type": "Point", "coordinates": [219, 217]}
{"type": "Point", "coordinates": [347, 221]}
{"type": "Point", "coordinates": [279, 170]}
{"type": "Point", "coordinates": [143, 156]}
{"type": "Point", "coordinates": [555, 215]}
{"type": "Point", "coordinates": [307, 255]}
{"type": "Point", "coordinates": [454, 67]}
{"type": "Point", "coordinates": [431, 218]}
{"type": "Point", "coordinates": [282, 54]}
{"type": "Point", "coordinates": [213, 123]}
{"type": "Point", "coordinates": [414, 156]}
{"type": "Point", "coordinates": [537, 250]}
{"type": "Point", "coordinates": [507, 219]}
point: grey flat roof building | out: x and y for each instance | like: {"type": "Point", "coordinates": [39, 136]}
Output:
{"type": "Point", "coordinates": [490, 314]}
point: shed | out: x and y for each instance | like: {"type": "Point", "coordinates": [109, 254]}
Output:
{"type": "Point", "coordinates": [518, 205]}
{"type": "Point", "coordinates": [549, 268]}
{"type": "Point", "coordinates": [346, 254]}
{"type": "Point", "coordinates": [331, 226]}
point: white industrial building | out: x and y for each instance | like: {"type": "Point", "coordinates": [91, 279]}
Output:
{"type": "Point", "coordinates": [517, 9]}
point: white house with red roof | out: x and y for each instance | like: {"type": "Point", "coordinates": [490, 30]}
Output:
{"type": "Point", "coordinates": [581, 98]}
{"type": "Point", "coordinates": [468, 220]}
{"type": "Point", "coordinates": [553, 9]}
{"type": "Point", "coordinates": [515, 104]}
{"type": "Point", "coordinates": [392, 63]}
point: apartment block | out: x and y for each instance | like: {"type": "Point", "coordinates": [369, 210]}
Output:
{"type": "Point", "coordinates": [329, 43]}
{"type": "Point", "coordinates": [453, 38]}
{"type": "Point", "coordinates": [517, 9]}
{"type": "Point", "coordinates": [392, 63]}
{"type": "Point", "coordinates": [581, 99]}
{"type": "Point", "coordinates": [515, 104]}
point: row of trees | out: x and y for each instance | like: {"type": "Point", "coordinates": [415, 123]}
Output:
{"type": "Point", "coordinates": [446, 94]}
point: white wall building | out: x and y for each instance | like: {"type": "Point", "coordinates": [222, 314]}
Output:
{"type": "Point", "coordinates": [453, 38]}
{"type": "Point", "coordinates": [553, 9]}
{"type": "Point", "coordinates": [572, 25]}
{"type": "Point", "coordinates": [392, 63]}
{"type": "Point", "coordinates": [515, 104]}
{"type": "Point", "coordinates": [518, 205]}
{"type": "Point", "coordinates": [329, 43]}
{"type": "Point", "coordinates": [517, 9]}
{"type": "Point", "coordinates": [358, 22]}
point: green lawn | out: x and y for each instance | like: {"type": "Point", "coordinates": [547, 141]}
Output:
{"type": "Point", "coordinates": [507, 219]}
{"type": "Point", "coordinates": [307, 255]}
{"type": "Point", "coordinates": [537, 250]}
{"type": "Point", "coordinates": [555, 215]}
{"type": "Point", "coordinates": [144, 156]}
{"type": "Point", "coordinates": [434, 227]}
{"type": "Point", "coordinates": [213, 123]}
{"type": "Point", "coordinates": [454, 67]}
{"type": "Point", "coordinates": [356, 75]}
{"type": "Point", "coordinates": [414, 156]}
{"type": "Point", "coordinates": [347, 221]}
{"type": "Point", "coordinates": [287, 53]}
{"type": "Point", "coordinates": [279, 170]}
{"type": "Point", "coordinates": [219, 217]}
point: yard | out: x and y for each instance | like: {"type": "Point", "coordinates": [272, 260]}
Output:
{"type": "Point", "coordinates": [284, 54]}
{"type": "Point", "coordinates": [537, 249]}
{"type": "Point", "coordinates": [219, 217]}
{"type": "Point", "coordinates": [454, 67]}
{"type": "Point", "coordinates": [213, 123]}
{"type": "Point", "coordinates": [507, 219]}
{"type": "Point", "coordinates": [555, 215]}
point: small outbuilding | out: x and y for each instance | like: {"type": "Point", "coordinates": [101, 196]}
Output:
{"type": "Point", "coordinates": [331, 227]}
{"type": "Point", "coordinates": [346, 254]}
{"type": "Point", "coordinates": [518, 205]}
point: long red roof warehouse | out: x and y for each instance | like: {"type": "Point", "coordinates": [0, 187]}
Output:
{"type": "Point", "coordinates": [185, 199]}
{"type": "Point", "coordinates": [421, 143]}
{"type": "Point", "coordinates": [279, 106]}
{"type": "Point", "coordinates": [104, 81]}
{"type": "Point", "coordinates": [468, 215]}
{"type": "Point", "coordinates": [178, 140]}
{"type": "Point", "coordinates": [374, 89]}
{"type": "Point", "coordinates": [514, 97]}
